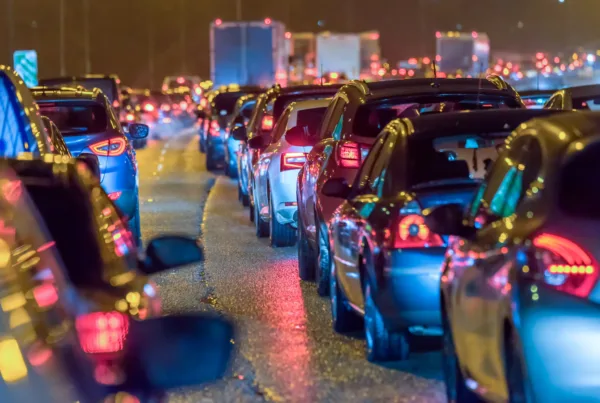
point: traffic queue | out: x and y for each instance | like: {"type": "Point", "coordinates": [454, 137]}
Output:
{"type": "Point", "coordinates": [452, 208]}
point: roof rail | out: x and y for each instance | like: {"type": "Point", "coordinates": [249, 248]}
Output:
{"type": "Point", "coordinates": [361, 85]}
{"type": "Point", "coordinates": [497, 81]}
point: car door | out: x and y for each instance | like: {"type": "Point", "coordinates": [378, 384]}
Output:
{"type": "Point", "coordinates": [332, 124]}
{"type": "Point", "coordinates": [353, 216]}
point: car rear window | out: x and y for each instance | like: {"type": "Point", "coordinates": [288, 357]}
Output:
{"type": "Point", "coordinates": [311, 118]}
{"type": "Point", "coordinates": [74, 119]}
{"type": "Point", "coordinates": [225, 102]}
{"type": "Point", "coordinates": [107, 85]}
{"type": "Point", "coordinates": [281, 103]}
{"type": "Point", "coordinates": [578, 197]}
{"type": "Point", "coordinates": [372, 117]}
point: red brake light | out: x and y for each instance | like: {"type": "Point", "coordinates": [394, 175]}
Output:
{"type": "Point", "coordinates": [109, 148]}
{"type": "Point", "coordinates": [45, 295]}
{"type": "Point", "coordinates": [198, 91]}
{"type": "Point", "coordinates": [215, 130]}
{"type": "Point", "coordinates": [102, 332]}
{"type": "Point", "coordinates": [165, 107]}
{"type": "Point", "coordinates": [130, 117]}
{"type": "Point", "coordinates": [412, 232]}
{"type": "Point", "coordinates": [349, 154]}
{"type": "Point", "coordinates": [292, 161]}
{"type": "Point", "coordinates": [149, 108]}
{"type": "Point", "coordinates": [565, 265]}
{"type": "Point", "coordinates": [180, 80]}
{"type": "Point", "coordinates": [203, 103]}
{"type": "Point", "coordinates": [114, 195]}
{"type": "Point", "coordinates": [267, 123]}
{"type": "Point", "coordinates": [116, 104]}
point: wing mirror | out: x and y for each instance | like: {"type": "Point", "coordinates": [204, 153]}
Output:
{"type": "Point", "coordinates": [138, 130]}
{"type": "Point", "coordinates": [259, 142]}
{"type": "Point", "coordinates": [157, 351]}
{"type": "Point", "coordinates": [170, 251]}
{"type": "Point", "coordinates": [447, 219]}
{"type": "Point", "coordinates": [299, 136]}
{"type": "Point", "coordinates": [239, 132]}
{"type": "Point", "coordinates": [336, 187]}
{"type": "Point", "coordinates": [91, 161]}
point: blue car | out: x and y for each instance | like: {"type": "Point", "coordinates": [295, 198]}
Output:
{"type": "Point", "coordinates": [89, 124]}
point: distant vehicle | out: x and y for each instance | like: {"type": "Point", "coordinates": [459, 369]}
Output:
{"type": "Point", "coordinates": [385, 262]}
{"type": "Point", "coordinates": [241, 115]}
{"type": "Point", "coordinates": [63, 340]}
{"type": "Point", "coordinates": [339, 53]}
{"type": "Point", "coordinates": [370, 54]}
{"type": "Point", "coordinates": [355, 117]}
{"type": "Point", "coordinates": [109, 84]}
{"type": "Point", "coordinates": [536, 99]}
{"type": "Point", "coordinates": [89, 125]}
{"type": "Point", "coordinates": [465, 52]}
{"type": "Point", "coordinates": [182, 105]}
{"type": "Point", "coordinates": [248, 53]}
{"type": "Point", "coordinates": [583, 98]}
{"type": "Point", "coordinates": [520, 279]}
{"type": "Point", "coordinates": [276, 171]}
{"type": "Point", "coordinates": [194, 83]}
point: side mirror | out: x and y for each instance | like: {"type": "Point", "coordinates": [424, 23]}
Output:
{"type": "Point", "coordinates": [138, 130]}
{"type": "Point", "coordinates": [91, 161]}
{"type": "Point", "coordinates": [298, 136]}
{"type": "Point", "coordinates": [157, 351]}
{"type": "Point", "coordinates": [170, 251]}
{"type": "Point", "coordinates": [125, 126]}
{"type": "Point", "coordinates": [200, 114]}
{"type": "Point", "coordinates": [259, 142]}
{"type": "Point", "coordinates": [239, 132]}
{"type": "Point", "coordinates": [336, 187]}
{"type": "Point", "coordinates": [447, 219]}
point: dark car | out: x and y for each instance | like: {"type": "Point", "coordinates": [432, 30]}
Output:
{"type": "Point", "coordinates": [385, 261]}
{"type": "Point", "coordinates": [217, 116]}
{"type": "Point", "coordinates": [582, 98]}
{"type": "Point", "coordinates": [355, 117]}
{"type": "Point", "coordinates": [520, 280]}
{"type": "Point", "coordinates": [234, 148]}
{"type": "Point", "coordinates": [89, 125]}
{"type": "Point", "coordinates": [61, 340]}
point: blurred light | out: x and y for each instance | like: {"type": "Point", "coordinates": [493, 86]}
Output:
{"type": "Point", "coordinates": [268, 21]}
{"type": "Point", "coordinates": [545, 62]}
{"type": "Point", "coordinates": [576, 63]}
{"type": "Point", "coordinates": [557, 60]}
{"type": "Point", "coordinates": [563, 67]}
{"type": "Point", "coordinates": [411, 73]}
{"type": "Point", "coordinates": [12, 301]}
{"type": "Point", "coordinates": [183, 105]}
{"type": "Point", "coordinates": [102, 332]}
{"type": "Point", "coordinates": [45, 295]}
{"type": "Point", "coordinates": [394, 72]}
{"type": "Point", "coordinates": [519, 75]}
{"type": "Point", "coordinates": [497, 68]}
{"type": "Point", "coordinates": [374, 37]}
{"type": "Point", "coordinates": [413, 61]}
{"type": "Point", "coordinates": [591, 58]}
{"type": "Point", "coordinates": [402, 72]}
{"type": "Point", "coordinates": [218, 21]}
{"type": "Point", "coordinates": [438, 34]}
{"type": "Point", "coordinates": [426, 60]}
{"type": "Point", "coordinates": [547, 69]}
{"type": "Point", "coordinates": [288, 35]}
{"type": "Point", "coordinates": [509, 65]}
{"type": "Point", "coordinates": [180, 80]}
{"type": "Point", "coordinates": [381, 72]}
{"type": "Point", "coordinates": [12, 364]}
{"type": "Point", "coordinates": [539, 55]}
{"type": "Point", "coordinates": [115, 104]}
{"type": "Point", "coordinates": [506, 71]}
{"type": "Point", "coordinates": [539, 65]}
{"type": "Point", "coordinates": [149, 107]}
{"type": "Point", "coordinates": [571, 66]}
{"type": "Point", "coordinates": [130, 117]}
{"type": "Point", "coordinates": [438, 58]}
{"type": "Point", "coordinates": [575, 56]}
{"type": "Point", "coordinates": [334, 75]}
{"type": "Point", "coordinates": [474, 58]}
{"type": "Point", "coordinates": [198, 91]}
{"type": "Point", "coordinates": [114, 195]}
{"type": "Point", "coordinates": [474, 34]}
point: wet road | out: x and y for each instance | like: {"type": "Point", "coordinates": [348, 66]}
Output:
{"type": "Point", "coordinates": [286, 349]}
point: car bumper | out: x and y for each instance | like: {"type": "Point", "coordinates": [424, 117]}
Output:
{"type": "Point", "coordinates": [283, 192]}
{"type": "Point", "coordinates": [559, 334]}
{"type": "Point", "coordinates": [409, 288]}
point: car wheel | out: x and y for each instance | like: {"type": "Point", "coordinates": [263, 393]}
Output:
{"type": "Point", "coordinates": [456, 389]}
{"type": "Point", "coordinates": [343, 318]}
{"type": "Point", "coordinates": [322, 264]}
{"type": "Point", "coordinates": [306, 254]}
{"type": "Point", "coordinates": [262, 228]}
{"type": "Point", "coordinates": [382, 344]}
{"type": "Point", "coordinates": [280, 234]}
{"type": "Point", "coordinates": [514, 374]}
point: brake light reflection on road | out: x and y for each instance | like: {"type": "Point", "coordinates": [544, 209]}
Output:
{"type": "Point", "coordinates": [102, 332]}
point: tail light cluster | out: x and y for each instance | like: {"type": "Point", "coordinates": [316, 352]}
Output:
{"type": "Point", "coordinates": [109, 148]}
{"type": "Point", "coordinates": [292, 161]}
{"type": "Point", "coordinates": [565, 265]}
{"type": "Point", "coordinates": [411, 232]}
{"type": "Point", "coordinates": [183, 105]}
{"type": "Point", "coordinates": [102, 332]}
{"type": "Point", "coordinates": [215, 129]}
{"type": "Point", "coordinates": [267, 123]}
{"type": "Point", "coordinates": [351, 154]}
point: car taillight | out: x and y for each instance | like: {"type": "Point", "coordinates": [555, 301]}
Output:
{"type": "Point", "coordinates": [165, 107]}
{"type": "Point", "coordinates": [267, 123]}
{"type": "Point", "coordinates": [565, 265]}
{"type": "Point", "coordinates": [149, 107]}
{"type": "Point", "coordinates": [109, 148]}
{"type": "Point", "coordinates": [292, 161]}
{"type": "Point", "coordinates": [412, 232]}
{"type": "Point", "coordinates": [114, 195]}
{"type": "Point", "coordinates": [102, 332]}
{"type": "Point", "coordinates": [175, 106]}
{"type": "Point", "coordinates": [183, 105]}
{"type": "Point", "coordinates": [215, 130]}
{"type": "Point", "coordinates": [349, 154]}
{"type": "Point", "coordinates": [130, 117]}
{"type": "Point", "coordinates": [116, 104]}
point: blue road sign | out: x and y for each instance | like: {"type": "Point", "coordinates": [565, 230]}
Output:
{"type": "Point", "coordinates": [26, 64]}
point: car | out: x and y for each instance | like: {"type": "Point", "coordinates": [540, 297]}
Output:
{"type": "Point", "coordinates": [193, 83]}
{"type": "Point", "coordinates": [536, 99]}
{"type": "Point", "coordinates": [583, 98]}
{"type": "Point", "coordinates": [385, 263]}
{"type": "Point", "coordinates": [109, 84]}
{"type": "Point", "coordinates": [182, 106]}
{"type": "Point", "coordinates": [89, 124]}
{"type": "Point", "coordinates": [354, 118]}
{"type": "Point", "coordinates": [56, 138]}
{"type": "Point", "coordinates": [520, 278]}
{"type": "Point", "coordinates": [276, 171]}
{"type": "Point", "coordinates": [244, 107]}
{"type": "Point", "coordinates": [217, 117]}
{"type": "Point", "coordinates": [269, 108]}
{"type": "Point", "coordinates": [62, 343]}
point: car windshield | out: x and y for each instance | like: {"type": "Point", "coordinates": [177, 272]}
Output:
{"type": "Point", "coordinates": [372, 118]}
{"type": "Point", "coordinates": [311, 118]}
{"type": "Point", "coordinates": [107, 85]}
{"type": "Point", "coordinates": [587, 103]}
{"type": "Point", "coordinates": [437, 161]}
{"type": "Point", "coordinates": [224, 103]}
{"type": "Point", "coordinates": [74, 119]}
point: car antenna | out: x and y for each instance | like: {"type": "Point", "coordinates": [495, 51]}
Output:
{"type": "Point", "coordinates": [435, 84]}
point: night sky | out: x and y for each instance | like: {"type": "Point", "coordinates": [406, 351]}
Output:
{"type": "Point", "coordinates": [119, 28]}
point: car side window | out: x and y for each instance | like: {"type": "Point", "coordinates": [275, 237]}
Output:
{"type": "Point", "coordinates": [333, 120]}
{"type": "Point", "coordinates": [364, 178]}
{"type": "Point", "coordinates": [281, 126]}
{"type": "Point", "coordinates": [555, 102]}
{"type": "Point", "coordinates": [377, 175]}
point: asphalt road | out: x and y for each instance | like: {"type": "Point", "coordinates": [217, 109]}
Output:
{"type": "Point", "coordinates": [286, 350]}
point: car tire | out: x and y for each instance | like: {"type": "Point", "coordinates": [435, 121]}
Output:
{"type": "Point", "coordinates": [382, 344]}
{"type": "Point", "coordinates": [306, 254]}
{"type": "Point", "coordinates": [518, 391]}
{"type": "Point", "coordinates": [456, 389]}
{"type": "Point", "coordinates": [280, 235]}
{"type": "Point", "coordinates": [322, 265]}
{"type": "Point", "coordinates": [262, 228]}
{"type": "Point", "coordinates": [343, 318]}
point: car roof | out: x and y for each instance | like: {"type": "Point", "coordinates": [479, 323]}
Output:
{"type": "Point", "coordinates": [584, 91]}
{"type": "Point", "coordinates": [474, 122]}
{"type": "Point", "coordinates": [66, 93]}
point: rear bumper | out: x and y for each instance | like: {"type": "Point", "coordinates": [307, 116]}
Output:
{"type": "Point", "coordinates": [409, 288]}
{"type": "Point", "coordinates": [283, 190]}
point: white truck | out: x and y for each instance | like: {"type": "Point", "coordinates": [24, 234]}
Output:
{"type": "Point", "coordinates": [339, 53]}
{"type": "Point", "coordinates": [461, 51]}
